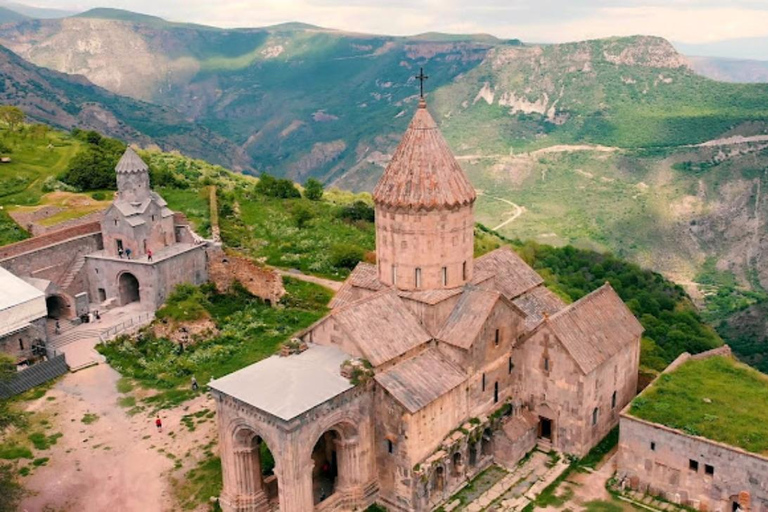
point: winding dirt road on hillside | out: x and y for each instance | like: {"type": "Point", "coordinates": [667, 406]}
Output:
{"type": "Point", "coordinates": [519, 210]}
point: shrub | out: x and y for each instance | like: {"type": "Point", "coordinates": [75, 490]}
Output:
{"type": "Point", "coordinates": [346, 255]}
{"type": "Point", "coordinates": [302, 214]}
{"type": "Point", "coordinates": [272, 187]}
{"type": "Point", "coordinates": [94, 166]}
{"type": "Point", "coordinates": [51, 184]}
{"type": "Point", "coordinates": [99, 196]}
{"type": "Point", "coordinates": [313, 190]}
{"type": "Point", "coordinates": [359, 210]}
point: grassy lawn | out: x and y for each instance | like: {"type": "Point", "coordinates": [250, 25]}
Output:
{"type": "Point", "coordinates": [267, 229]}
{"type": "Point", "coordinates": [699, 399]}
{"type": "Point", "coordinates": [249, 331]}
{"type": "Point", "coordinates": [21, 181]}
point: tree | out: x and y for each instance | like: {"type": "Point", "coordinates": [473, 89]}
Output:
{"type": "Point", "coordinates": [359, 210]}
{"type": "Point", "coordinates": [302, 214]}
{"type": "Point", "coordinates": [12, 116]}
{"type": "Point", "coordinates": [280, 188]}
{"type": "Point", "coordinates": [94, 166]}
{"type": "Point", "coordinates": [346, 255]}
{"type": "Point", "coordinates": [313, 189]}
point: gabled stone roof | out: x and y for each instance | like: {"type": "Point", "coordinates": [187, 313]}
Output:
{"type": "Point", "coordinates": [131, 162]}
{"type": "Point", "coordinates": [594, 328]}
{"type": "Point", "coordinates": [423, 173]}
{"type": "Point", "coordinates": [419, 381]}
{"type": "Point", "coordinates": [380, 326]}
{"type": "Point", "coordinates": [364, 278]}
{"type": "Point", "coordinates": [469, 315]}
{"type": "Point", "coordinates": [511, 275]}
{"type": "Point", "coordinates": [536, 304]}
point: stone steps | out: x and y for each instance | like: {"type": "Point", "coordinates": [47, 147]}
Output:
{"type": "Point", "coordinates": [72, 336]}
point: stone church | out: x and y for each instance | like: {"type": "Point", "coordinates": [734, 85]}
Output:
{"type": "Point", "coordinates": [104, 263]}
{"type": "Point", "coordinates": [431, 365]}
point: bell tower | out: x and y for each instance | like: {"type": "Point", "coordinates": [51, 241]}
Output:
{"type": "Point", "coordinates": [132, 178]}
{"type": "Point", "coordinates": [424, 213]}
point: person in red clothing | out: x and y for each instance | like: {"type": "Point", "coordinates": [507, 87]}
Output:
{"type": "Point", "coordinates": [159, 424]}
{"type": "Point", "coordinates": [149, 254]}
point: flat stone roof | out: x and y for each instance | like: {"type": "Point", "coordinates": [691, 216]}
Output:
{"type": "Point", "coordinates": [717, 398]}
{"type": "Point", "coordinates": [159, 255]}
{"type": "Point", "coordinates": [288, 386]}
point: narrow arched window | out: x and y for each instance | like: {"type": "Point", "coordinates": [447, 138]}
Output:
{"type": "Point", "coordinates": [394, 274]}
{"type": "Point", "coordinates": [613, 400]}
{"type": "Point", "coordinates": [444, 274]}
{"type": "Point", "coordinates": [464, 271]}
{"type": "Point", "coordinates": [483, 382]}
{"type": "Point", "coordinates": [417, 277]}
{"type": "Point", "coordinates": [595, 416]}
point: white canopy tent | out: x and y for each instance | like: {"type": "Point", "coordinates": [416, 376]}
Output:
{"type": "Point", "coordinates": [20, 303]}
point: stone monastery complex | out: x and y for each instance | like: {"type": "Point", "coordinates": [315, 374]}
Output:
{"type": "Point", "coordinates": [431, 366]}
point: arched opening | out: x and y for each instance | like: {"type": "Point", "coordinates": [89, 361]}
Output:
{"type": "Point", "coordinates": [57, 307]}
{"type": "Point", "coordinates": [255, 467]}
{"type": "Point", "coordinates": [458, 464]}
{"type": "Point", "coordinates": [473, 454]}
{"type": "Point", "coordinates": [485, 446]}
{"type": "Point", "coordinates": [129, 288]}
{"type": "Point", "coordinates": [438, 481]}
{"type": "Point", "coordinates": [325, 469]}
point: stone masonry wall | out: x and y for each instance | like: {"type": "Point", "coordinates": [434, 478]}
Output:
{"type": "Point", "coordinates": [224, 269]}
{"type": "Point", "coordinates": [656, 459]}
{"type": "Point", "coordinates": [31, 244]}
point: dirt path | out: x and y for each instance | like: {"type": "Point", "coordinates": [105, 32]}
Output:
{"type": "Point", "coordinates": [328, 283]}
{"type": "Point", "coordinates": [114, 463]}
{"type": "Point", "coordinates": [518, 211]}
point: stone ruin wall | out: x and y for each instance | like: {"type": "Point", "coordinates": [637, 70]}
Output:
{"type": "Point", "coordinates": [224, 269]}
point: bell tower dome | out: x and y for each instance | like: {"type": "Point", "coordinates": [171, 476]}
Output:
{"type": "Point", "coordinates": [424, 213]}
{"type": "Point", "coordinates": [132, 178]}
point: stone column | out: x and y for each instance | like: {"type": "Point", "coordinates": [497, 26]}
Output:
{"type": "Point", "coordinates": [349, 464]}
{"type": "Point", "coordinates": [250, 495]}
{"type": "Point", "coordinates": [294, 481]}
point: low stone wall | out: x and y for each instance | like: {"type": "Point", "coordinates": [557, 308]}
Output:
{"type": "Point", "coordinates": [34, 376]}
{"type": "Point", "coordinates": [55, 237]}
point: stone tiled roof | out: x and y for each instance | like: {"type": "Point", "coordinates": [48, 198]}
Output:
{"type": "Point", "coordinates": [381, 327]}
{"type": "Point", "coordinates": [518, 426]}
{"type": "Point", "coordinates": [419, 381]}
{"type": "Point", "coordinates": [423, 173]}
{"type": "Point", "coordinates": [430, 297]}
{"type": "Point", "coordinates": [131, 162]}
{"type": "Point", "coordinates": [594, 328]}
{"type": "Point", "coordinates": [536, 303]}
{"type": "Point", "coordinates": [511, 275]}
{"type": "Point", "coordinates": [364, 278]}
{"type": "Point", "coordinates": [468, 317]}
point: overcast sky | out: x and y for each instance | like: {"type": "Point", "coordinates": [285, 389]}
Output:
{"type": "Point", "coordinates": [689, 21]}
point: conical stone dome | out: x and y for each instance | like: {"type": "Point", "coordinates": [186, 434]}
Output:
{"type": "Point", "coordinates": [130, 162]}
{"type": "Point", "coordinates": [423, 173]}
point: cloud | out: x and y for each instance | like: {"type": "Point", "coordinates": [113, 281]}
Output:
{"type": "Point", "coordinates": [690, 21]}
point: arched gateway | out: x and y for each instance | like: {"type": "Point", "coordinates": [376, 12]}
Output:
{"type": "Point", "coordinates": [128, 286]}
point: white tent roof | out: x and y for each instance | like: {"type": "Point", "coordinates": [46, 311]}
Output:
{"type": "Point", "coordinates": [20, 303]}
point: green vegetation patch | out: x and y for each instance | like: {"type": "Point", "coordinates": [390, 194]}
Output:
{"type": "Point", "coordinates": [89, 418]}
{"type": "Point", "coordinates": [199, 484]}
{"type": "Point", "coordinates": [248, 330]}
{"type": "Point", "coordinates": [43, 442]}
{"type": "Point", "coordinates": [698, 398]}
{"type": "Point", "coordinates": [13, 452]}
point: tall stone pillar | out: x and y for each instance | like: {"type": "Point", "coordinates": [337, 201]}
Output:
{"type": "Point", "coordinates": [294, 480]}
{"type": "Point", "coordinates": [245, 492]}
{"type": "Point", "coordinates": [352, 469]}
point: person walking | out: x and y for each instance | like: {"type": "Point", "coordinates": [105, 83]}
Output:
{"type": "Point", "coordinates": [194, 384]}
{"type": "Point", "coordinates": [149, 254]}
{"type": "Point", "coordinates": [128, 253]}
{"type": "Point", "coordinates": [58, 327]}
{"type": "Point", "coordinates": [120, 253]}
{"type": "Point", "coordinates": [159, 424]}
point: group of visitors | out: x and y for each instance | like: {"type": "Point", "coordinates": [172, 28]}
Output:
{"type": "Point", "coordinates": [127, 252]}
